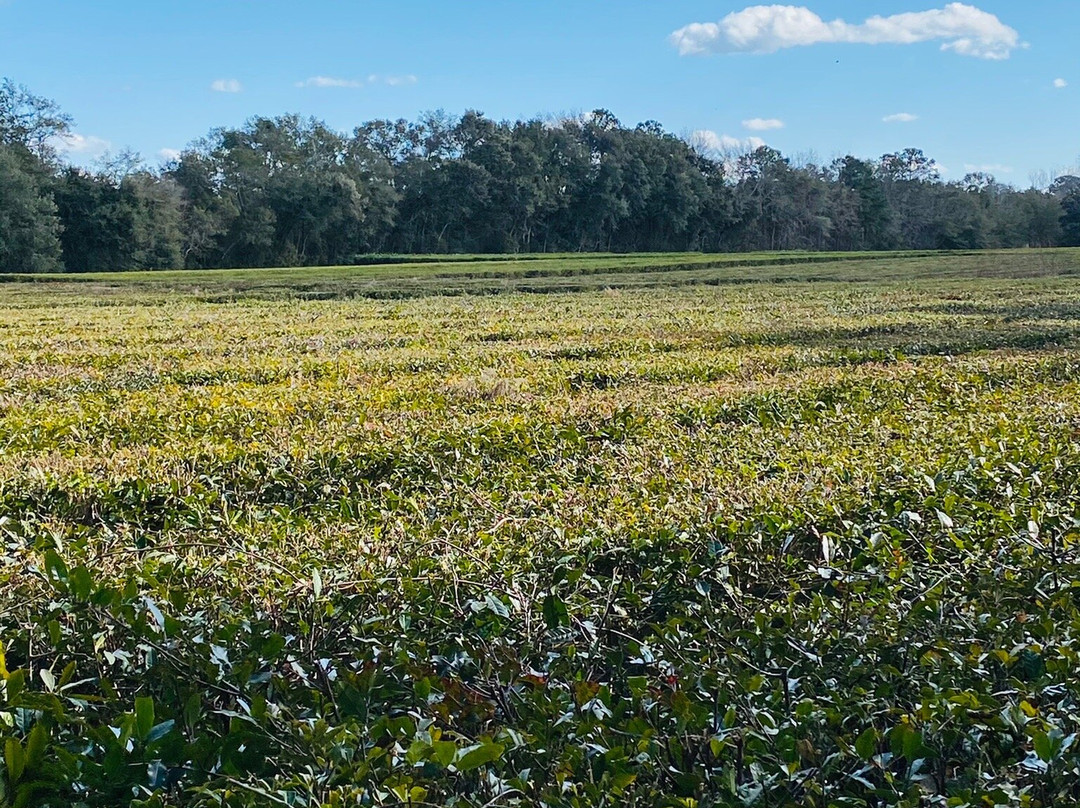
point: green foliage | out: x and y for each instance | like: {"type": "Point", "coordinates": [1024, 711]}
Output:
{"type": "Point", "coordinates": [762, 544]}
{"type": "Point", "coordinates": [289, 191]}
{"type": "Point", "coordinates": [113, 224]}
{"type": "Point", "coordinates": [29, 227]}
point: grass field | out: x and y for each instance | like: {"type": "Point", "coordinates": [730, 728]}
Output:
{"type": "Point", "coordinates": [682, 531]}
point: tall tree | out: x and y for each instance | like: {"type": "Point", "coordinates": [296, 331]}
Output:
{"type": "Point", "coordinates": [1067, 191]}
{"type": "Point", "coordinates": [35, 123]}
{"type": "Point", "coordinates": [291, 190]}
{"type": "Point", "coordinates": [29, 227]}
{"type": "Point", "coordinates": [871, 208]}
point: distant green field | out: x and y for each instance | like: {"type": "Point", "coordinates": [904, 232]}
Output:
{"type": "Point", "coordinates": [454, 275]}
{"type": "Point", "coordinates": [762, 530]}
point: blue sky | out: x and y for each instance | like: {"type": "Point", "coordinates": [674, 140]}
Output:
{"type": "Point", "coordinates": [977, 80]}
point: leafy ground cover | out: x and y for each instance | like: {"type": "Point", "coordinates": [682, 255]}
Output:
{"type": "Point", "coordinates": [452, 275]}
{"type": "Point", "coordinates": [711, 535]}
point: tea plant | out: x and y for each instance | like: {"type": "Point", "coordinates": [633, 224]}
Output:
{"type": "Point", "coordinates": [709, 542]}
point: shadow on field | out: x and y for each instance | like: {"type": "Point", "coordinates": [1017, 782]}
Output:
{"type": "Point", "coordinates": [908, 338]}
{"type": "Point", "coordinates": [1014, 312]}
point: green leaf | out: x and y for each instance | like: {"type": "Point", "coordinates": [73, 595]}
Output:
{"type": "Point", "coordinates": [35, 747]}
{"type": "Point", "coordinates": [867, 743]}
{"type": "Point", "coordinates": [144, 716]}
{"type": "Point", "coordinates": [55, 568]}
{"type": "Point", "coordinates": [913, 745]}
{"type": "Point", "coordinates": [68, 674]}
{"type": "Point", "coordinates": [15, 684]}
{"type": "Point", "coordinates": [422, 688]}
{"type": "Point", "coordinates": [80, 583]}
{"type": "Point", "coordinates": [555, 612]}
{"type": "Point", "coordinates": [496, 605]}
{"type": "Point", "coordinates": [1043, 746]}
{"type": "Point", "coordinates": [417, 752]}
{"type": "Point", "coordinates": [730, 784]}
{"type": "Point", "coordinates": [15, 759]}
{"type": "Point", "coordinates": [480, 755]}
{"type": "Point", "coordinates": [905, 740]}
{"type": "Point", "coordinates": [25, 793]}
{"type": "Point", "coordinates": [259, 707]}
{"type": "Point", "coordinates": [193, 709]}
{"type": "Point", "coordinates": [444, 752]}
{"type": "Point", "coordinates": [1049, 745]}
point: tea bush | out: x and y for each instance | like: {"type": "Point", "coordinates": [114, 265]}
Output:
{"type": "Point", "coordinates": [709, 543]}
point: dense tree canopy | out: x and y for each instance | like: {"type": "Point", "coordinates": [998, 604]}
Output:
{"type": "Point", "coordinates": [291, 191]}
{"type": "Point", "coordinates": [28, 220]}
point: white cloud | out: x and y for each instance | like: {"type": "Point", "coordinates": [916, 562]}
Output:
{"type": "Point", "coordinates": [763, 124]}
{"type": "Point", "coordinates": [900, 117]}
{"type": "Point", "coordinates": [329, 81]}
{"type": "Point", "coordinates": [86, 146]}
{"type": "Point", "coordinates": [169, 154]}
{"type": "Point", "coordinates": [964, 29]}
{"type": "Point", "coordinates": [226, 86]}
{"type": "Point", "coordinates": [1061, 84]}
{"type": "Point", "coordinates": [705, 140]}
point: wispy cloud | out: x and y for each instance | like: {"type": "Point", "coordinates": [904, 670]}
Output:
{"type": "Point", "coordinates": [226, 86]}
{"type": "Point", "coordinates": [763, 124]}
{"type": "Point", "coordinates": [1061, 84]}
{"type": "Point", "coordinates": [400, 81]}
{"type": "Point", "coordinates": [900, 117]}
{"type": "Point", "coordinates": [328, 81]}
{"type": "Point", "coordinates": [706, 140]}
{"type": "Point", "coordinates": [961, 28]}
{"type": "Point", "coordinates": [988, 168]}
{"type": "Point", "coordinates": [169, 154]}
{"type": "Point", "coordinates": [87, 146]}
{"type": "Point", "coordinates": [331, 81]}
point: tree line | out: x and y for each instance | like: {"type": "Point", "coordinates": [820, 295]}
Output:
{"type": "Point", "coordinates": [292, 191]}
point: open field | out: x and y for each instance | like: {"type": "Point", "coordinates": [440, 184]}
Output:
{"type": "Point", "coordinates": [451, 275]}
{"type": "Point", "coordinates": [681, 531]}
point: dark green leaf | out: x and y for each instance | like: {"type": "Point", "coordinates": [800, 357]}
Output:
{"type": "Point", "coordinates": [480, 755]}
